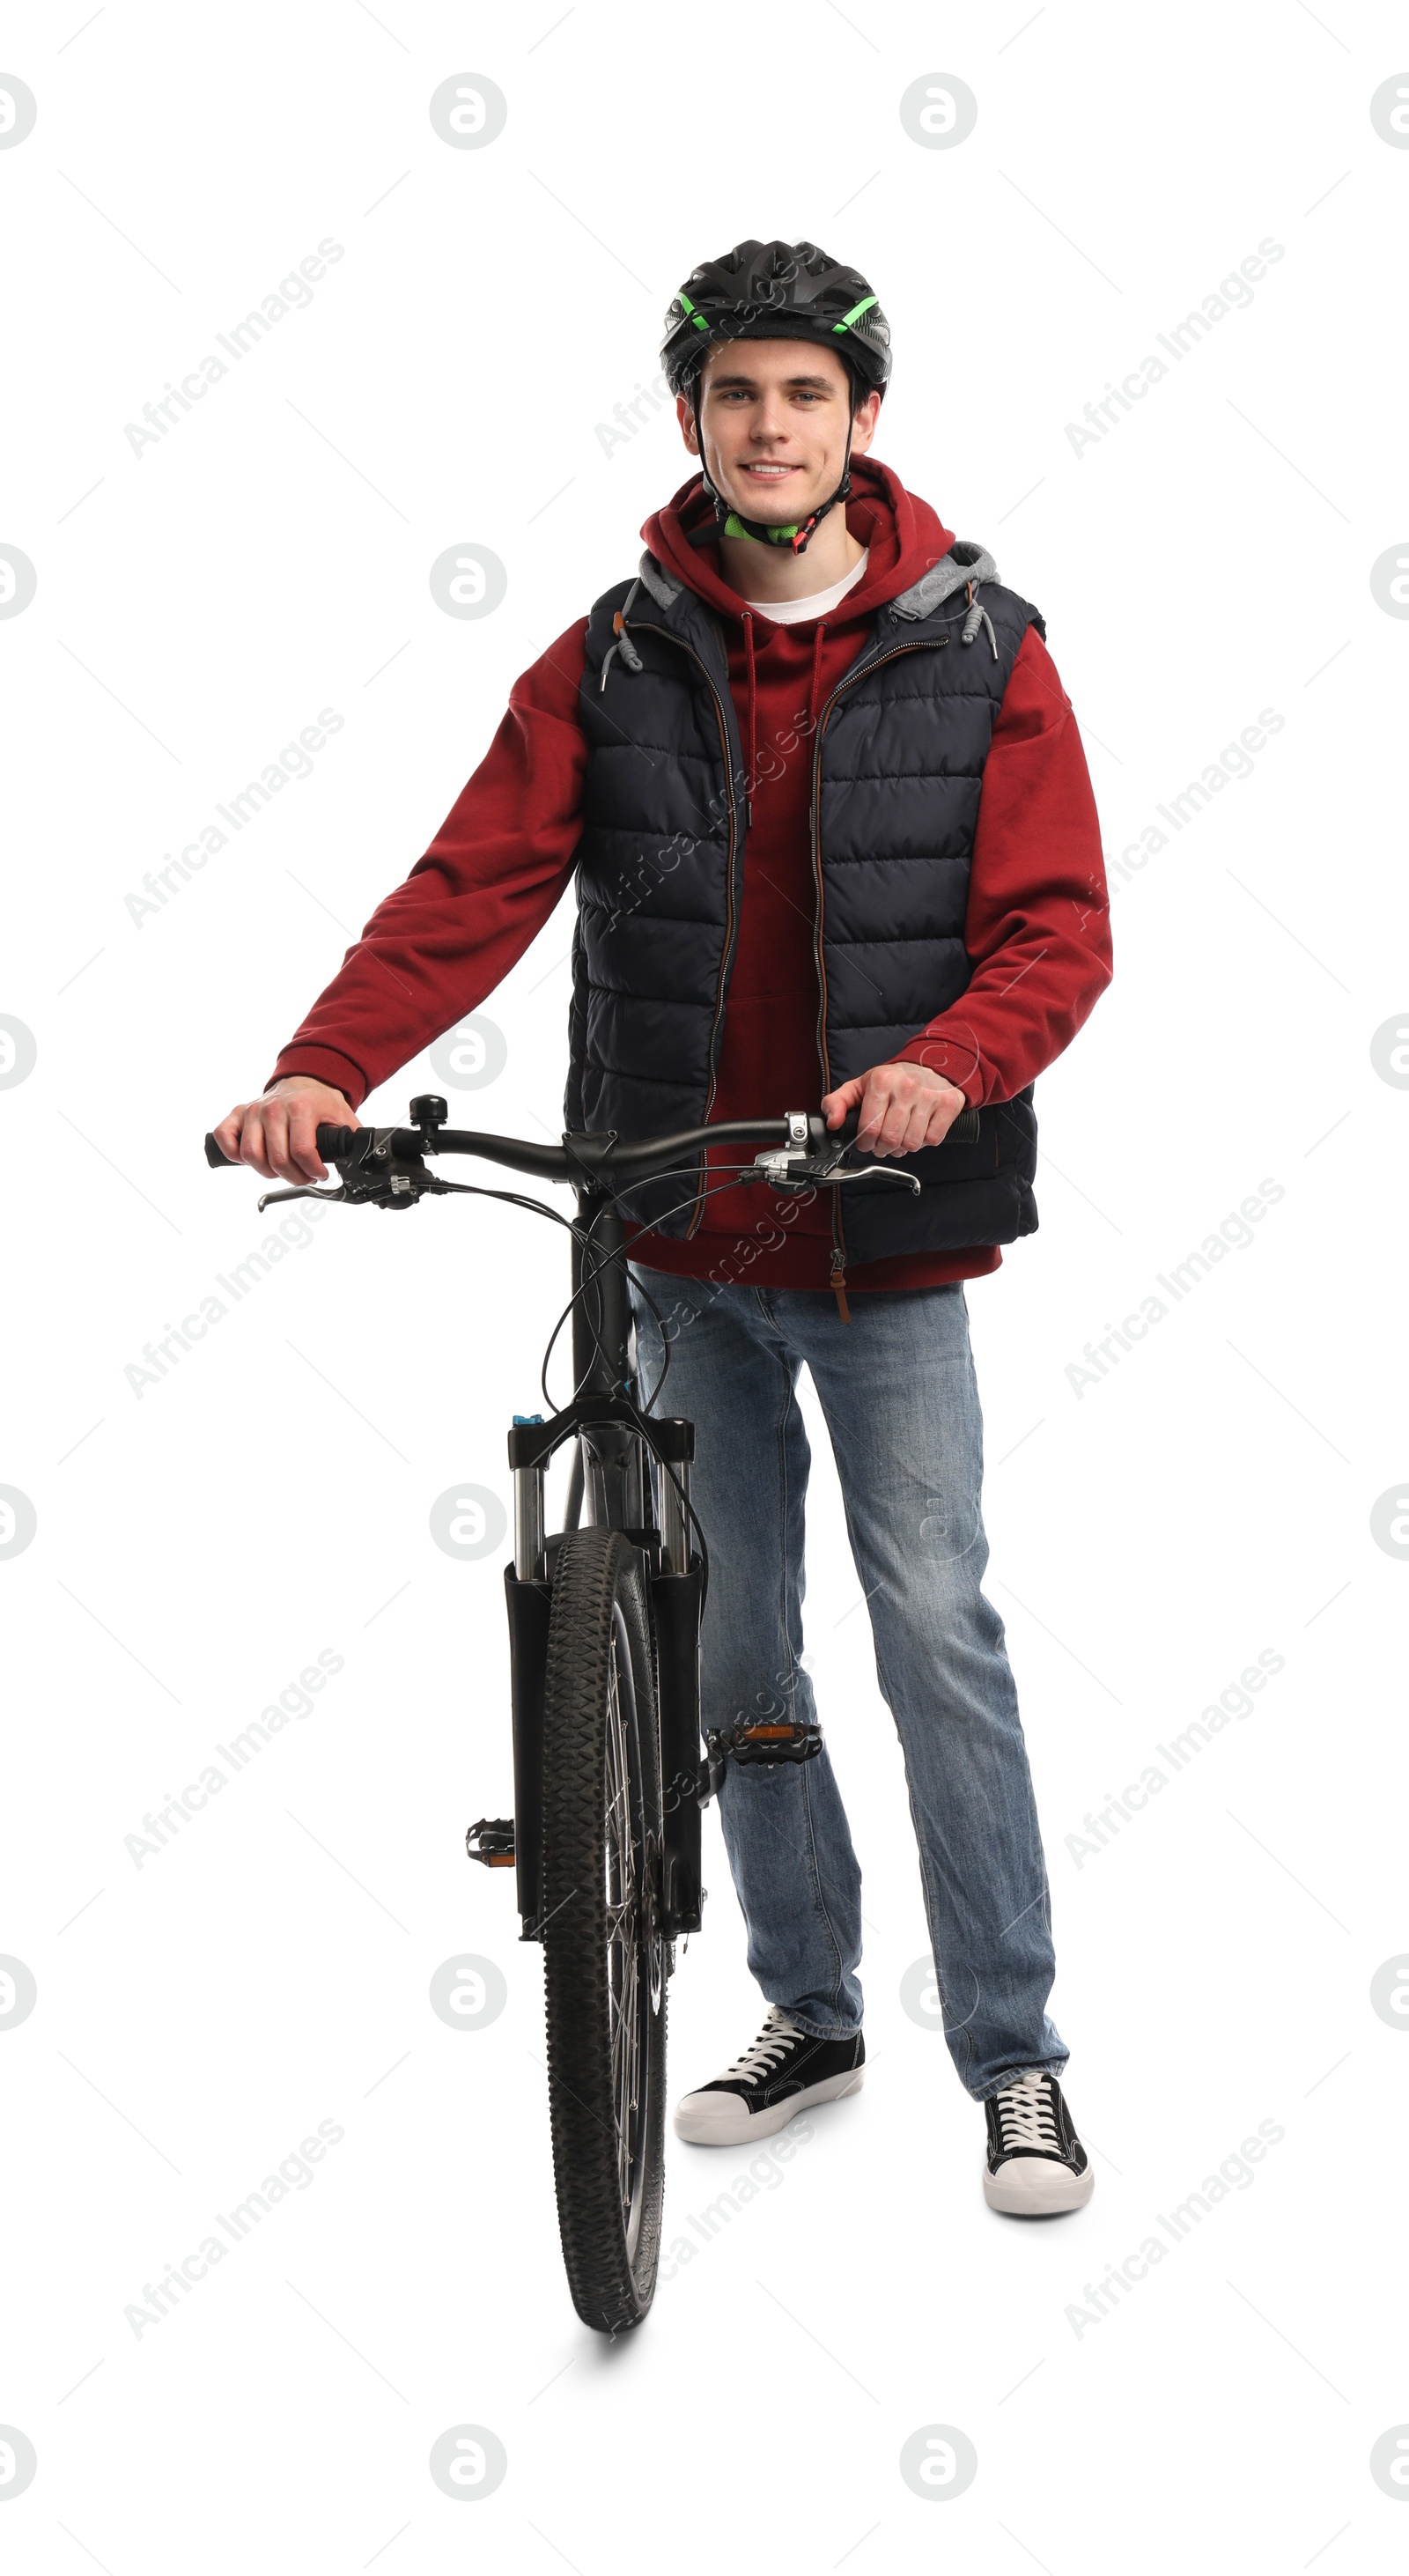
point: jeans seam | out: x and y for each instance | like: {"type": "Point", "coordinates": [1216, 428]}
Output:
{"type": "Point", "coordinates": [816, 1877]}
{"type": "Point", "coordinates": [960, 2038]}
{"type": "Point", "coordinates": [790, 1406]}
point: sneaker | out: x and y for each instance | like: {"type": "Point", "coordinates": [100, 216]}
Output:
{"type": "Point", "coordinates": [784, 2072]}
{"type": "Point", "coordinates": [1036, 2164]}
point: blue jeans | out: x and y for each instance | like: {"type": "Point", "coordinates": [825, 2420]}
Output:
{"type": "Point", "coordinates": [898, 1391]}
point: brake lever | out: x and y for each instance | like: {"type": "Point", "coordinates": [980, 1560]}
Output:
{"type": "Point", "coordinates": [310, 1190]}
{"type": "Point", "coordinates": [875, 1172]}
{"type": "Point", "coordinates": [398, 1188]}
{"type": "Point", "coordinates": [788, 1170]}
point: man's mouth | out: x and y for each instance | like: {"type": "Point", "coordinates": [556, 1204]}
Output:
{"type": "Point", "coordinates": [770, 473]}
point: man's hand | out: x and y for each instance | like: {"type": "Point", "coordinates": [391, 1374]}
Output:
{"type": "Point", "coordinates": [278, 1134]}
{"type": "Point", "coordinates": [903, 1106]}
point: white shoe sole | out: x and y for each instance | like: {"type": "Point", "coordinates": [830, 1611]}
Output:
{"type": "Point", "coordinates": [1042, 2192]}
{"type": "Point", "coordinates": [722, 2120]}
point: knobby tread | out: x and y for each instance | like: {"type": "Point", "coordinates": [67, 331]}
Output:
{"type": "Point", "coordinates": [596, 1570]}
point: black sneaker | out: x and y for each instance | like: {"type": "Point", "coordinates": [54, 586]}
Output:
{"type": "Point", "coordinates": [784, 2072]}
{"type": "Point", "coordinates": [1036, 2164]}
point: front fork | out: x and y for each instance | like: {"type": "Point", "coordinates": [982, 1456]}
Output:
{"type": "Point", "coordinates": [640, 1486]}
{"type": "Point", "coordinates": [654, 1500]}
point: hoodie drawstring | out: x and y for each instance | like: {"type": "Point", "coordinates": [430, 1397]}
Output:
{"type": "Point", "coordinates": [623, 644]}
{"type": "Point", "coordinates": [977, 617]}
{"type": "Point", "coordinates": [815, 690]}
{"type": "Point", "coordinates": [753, 711]}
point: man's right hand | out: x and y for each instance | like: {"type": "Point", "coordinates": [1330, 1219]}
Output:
{"type": "Point", "coordinates": [278, 1134]}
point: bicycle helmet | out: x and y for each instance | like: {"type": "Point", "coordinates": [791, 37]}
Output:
{"type": "Point", "coordinates": [776, 291]}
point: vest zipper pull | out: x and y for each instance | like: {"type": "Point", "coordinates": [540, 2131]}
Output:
{"type": "Point", "coordinates": [839, 1283]}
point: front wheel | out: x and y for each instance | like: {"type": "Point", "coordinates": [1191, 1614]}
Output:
{"type": "Point", "coordinates": [604, 1959]}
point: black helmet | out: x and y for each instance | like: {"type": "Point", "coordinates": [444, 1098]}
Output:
{"type": "Point", "coordinates": [777, 291]}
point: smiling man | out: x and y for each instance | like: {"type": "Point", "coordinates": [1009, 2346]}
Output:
{"type": "Point", "coordinates": [833, 838]}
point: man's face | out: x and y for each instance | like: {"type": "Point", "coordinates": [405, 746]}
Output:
{"type": "Point", "coordinates": [775, 424]}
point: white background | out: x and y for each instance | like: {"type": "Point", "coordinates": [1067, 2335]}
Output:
{"type": "Point", "coordinates": [200, 1541]}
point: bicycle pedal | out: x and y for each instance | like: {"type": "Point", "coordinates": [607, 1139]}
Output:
{"type": "Point", "coordinates": [771, 1740]}
{"type": "Point", "coordinates": [492, 1841]}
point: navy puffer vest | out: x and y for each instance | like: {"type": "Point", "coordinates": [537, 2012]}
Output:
{"type": "Point", "coordinates": [898, 763]}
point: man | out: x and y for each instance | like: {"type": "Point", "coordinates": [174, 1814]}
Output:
{"type": "Point", "coordinates": [833, 837]}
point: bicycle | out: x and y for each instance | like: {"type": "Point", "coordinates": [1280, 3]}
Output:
{"type": "Point", "coordinates": [604, 1641]}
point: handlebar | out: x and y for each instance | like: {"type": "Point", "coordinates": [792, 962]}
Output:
{"type": "Point", "coordinates": [350, 1147]}
{"type": "Point", "coordinates": [602, 1158]}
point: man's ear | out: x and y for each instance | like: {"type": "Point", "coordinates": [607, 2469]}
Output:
{"type": "Point", "coordinates": [863, 427]}
{"type": "Point", "coordinates": [685, 414]}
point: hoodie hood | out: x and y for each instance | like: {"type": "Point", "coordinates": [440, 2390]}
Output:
{"type": "Point", "coordinates": [905, 536]}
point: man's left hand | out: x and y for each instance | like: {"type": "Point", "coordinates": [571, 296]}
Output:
{"type": "Point", "coordinates": [903, 1106]}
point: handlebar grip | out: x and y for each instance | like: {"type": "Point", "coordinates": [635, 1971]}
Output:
{"type": "Point", "coordinates": [346, 1144]}
{"type": "Point", "coordinates": [965, 1130]}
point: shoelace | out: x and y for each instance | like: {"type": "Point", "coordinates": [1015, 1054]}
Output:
{"type": "Point", "coordinates": [768, 2051]}
{"type": "Point", "coordinates": [1027, 2115]}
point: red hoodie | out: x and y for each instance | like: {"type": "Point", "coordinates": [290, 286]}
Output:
{"type": "Point", "coordinates": [1036, 928]}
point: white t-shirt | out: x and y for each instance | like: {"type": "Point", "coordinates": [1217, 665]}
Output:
{"type": "Point", "coordinates": [795, 612]}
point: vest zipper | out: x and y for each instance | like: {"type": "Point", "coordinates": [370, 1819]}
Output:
{"type": "Point", "coordinates": [730, 922]}
{"type": "Point", "coordinates": [858, 671]}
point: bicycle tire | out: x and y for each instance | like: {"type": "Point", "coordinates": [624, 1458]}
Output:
{"type": "Point", "coordinates": [605, 1965]}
